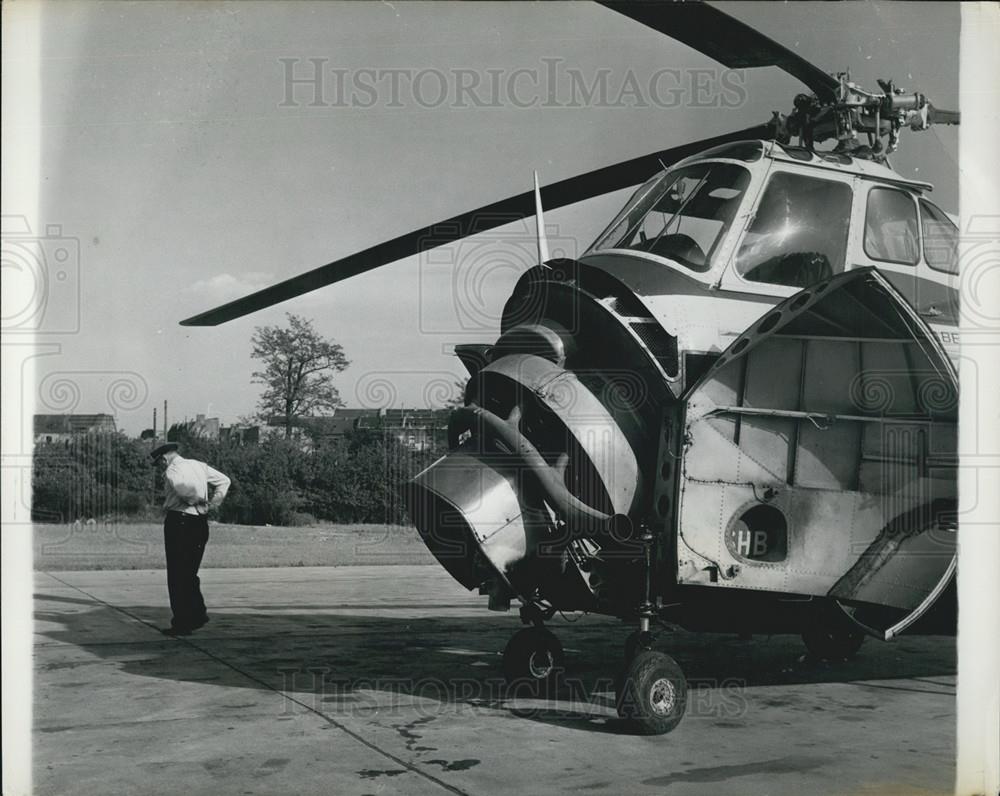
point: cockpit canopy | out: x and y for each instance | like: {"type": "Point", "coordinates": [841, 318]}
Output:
{"type": "Point", "coordinates": [798, 229]}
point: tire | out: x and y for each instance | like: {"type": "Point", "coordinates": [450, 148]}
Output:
{"type": "Point", "coordinates": [629, 651]}
{"type": "Point", "coordinates": [653, 693]}
{"type": "Point", "coordinates": [832, 644]}
{"type": "Point", "coordinates": [534, 658]}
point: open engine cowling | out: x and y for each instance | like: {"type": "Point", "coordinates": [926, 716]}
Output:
{"type": "Point", "coordinates": [545, 476]}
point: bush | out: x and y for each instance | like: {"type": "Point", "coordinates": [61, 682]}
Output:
{"type": "Point", "coordinates": [358, 478]}
{"type": "Point", "coordinates": [355, 478]}
{"type": "Point", "coordinates": [90, 476]}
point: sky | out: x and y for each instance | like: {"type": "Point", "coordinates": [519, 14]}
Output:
{"type": "Point", "coordinates": [177, 171]}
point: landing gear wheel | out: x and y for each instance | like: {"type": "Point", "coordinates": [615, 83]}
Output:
{"type": "Point", "coordinates": [653, 693]}
{"type": "Point", "coordinates": [832, 644]}
{"type": "Point", "coordinates": [534, 657]}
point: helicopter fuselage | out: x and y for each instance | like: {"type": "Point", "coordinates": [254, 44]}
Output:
{"type": "Point", "coordinates": [579, 420]}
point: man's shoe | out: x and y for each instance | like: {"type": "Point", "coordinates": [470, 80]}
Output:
{"type": "Point", "coordinates": [200, 623]}
{"type": "Point", "coordinates": [176, 631]}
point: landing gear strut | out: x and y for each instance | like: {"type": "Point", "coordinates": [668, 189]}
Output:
{"type": "Point", "coordinates": [652, 693]}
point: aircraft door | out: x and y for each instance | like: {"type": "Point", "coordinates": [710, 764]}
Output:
{"type": "Point", "coordinates": [820, 457]}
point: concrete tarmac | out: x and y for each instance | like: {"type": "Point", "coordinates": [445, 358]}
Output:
{"type": "Point", "coordinates": [386, 679]}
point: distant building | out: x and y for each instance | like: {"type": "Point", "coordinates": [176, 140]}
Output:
{"type": "Point", "coordinates": [309, 429]}
{"type": "Point", "coordinates": [61, 428]}
{"type": "Point", "coordinates": [240, 435]}
{"type": "Point", "coordinates": [274, 428]}
{"type": "Point", "coordinates": [207, 427]}
{"type": "Point", "coordinates": [416, 429]}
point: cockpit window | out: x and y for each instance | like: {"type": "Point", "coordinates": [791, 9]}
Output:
{"type": "Point", "coordinates": [940, 239]}
{"type": "Point", "coordinates": [891, 231]}
{"type": "Point", "coordinates": [683, 217]}
{"type": "Point", "coordinates": [799, 234]}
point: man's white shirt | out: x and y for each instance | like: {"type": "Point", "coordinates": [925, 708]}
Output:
{"type": "Point", "coordinates": [192, 487]}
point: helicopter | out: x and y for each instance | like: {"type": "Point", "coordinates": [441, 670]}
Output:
{"type": "Point", "coordinates": [736, 411]}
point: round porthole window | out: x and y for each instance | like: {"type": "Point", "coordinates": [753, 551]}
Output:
{"type": "Point", "coordinates": [760, 533]}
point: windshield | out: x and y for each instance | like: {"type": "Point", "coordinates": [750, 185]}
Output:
{"type": "Point", "coordinates": [682, 215]}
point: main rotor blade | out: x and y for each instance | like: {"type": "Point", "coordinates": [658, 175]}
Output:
{"type": "Point", "coordinates": [559, 194]}
{"type": "Point", "coordinates": [724, 39]}
{"type": "Point", "coordinates": [939, 116]}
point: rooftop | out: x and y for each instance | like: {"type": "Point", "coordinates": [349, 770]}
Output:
{"type": "Point", "coordinates": [73, 423]}
{"type": "Point", "coordinates": [753, 150]}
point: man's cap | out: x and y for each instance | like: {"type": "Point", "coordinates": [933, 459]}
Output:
{"type": "Point", "coordinates": [165, 448]}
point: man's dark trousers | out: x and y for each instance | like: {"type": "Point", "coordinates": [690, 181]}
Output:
{"type": "Point", "coordinates": [184, 539]}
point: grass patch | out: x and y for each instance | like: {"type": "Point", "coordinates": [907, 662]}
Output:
{"type": "Point", "coordinates": [139, 545]}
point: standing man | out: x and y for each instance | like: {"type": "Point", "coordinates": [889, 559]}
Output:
{"type": "Point", "coordinates": [191, 489]}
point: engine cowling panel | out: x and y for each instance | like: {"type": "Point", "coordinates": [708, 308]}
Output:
{"type": "Point", "coordinates": [548, 468]}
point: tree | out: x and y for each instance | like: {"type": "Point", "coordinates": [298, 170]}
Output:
{"type": "Point", "coordinates": [298, 370]}
{"type": "Point", "coordinates": [457, 398]}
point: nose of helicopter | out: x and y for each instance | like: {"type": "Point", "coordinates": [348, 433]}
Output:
{"type": "Point", "coordinates": [551, 460]}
